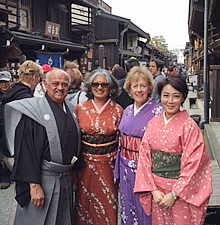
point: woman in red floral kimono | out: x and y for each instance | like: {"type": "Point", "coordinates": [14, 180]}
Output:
{"type": "Point", "coordinates": [174, 170]}
{"type": "Point", "coordinates": [99, 118]}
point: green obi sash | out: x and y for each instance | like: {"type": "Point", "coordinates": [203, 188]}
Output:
{"type": "Point", "coordinates": [166, 165]}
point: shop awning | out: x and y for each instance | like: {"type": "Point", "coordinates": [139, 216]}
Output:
{"type": "Point", "coordinates": [34, 39]}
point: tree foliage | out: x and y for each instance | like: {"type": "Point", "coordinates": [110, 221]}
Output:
{"type": "Point", "coordinates": [160, 43]}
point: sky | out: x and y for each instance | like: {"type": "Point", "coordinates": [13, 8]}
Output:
{"type": "Point", "coordinates": [167, 18]}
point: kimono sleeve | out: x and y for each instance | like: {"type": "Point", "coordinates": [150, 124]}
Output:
{"type": "Point", "coordinates": [144, 179]}
{"type": "Point", "coordinates": [194, 184]}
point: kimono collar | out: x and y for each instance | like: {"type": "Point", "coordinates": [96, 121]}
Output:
{"type": "Point", "coordinates": [166, 121]}
{"type": "Point", "coordinates": [136, 111]}
{"type": "Point", "coordinates": [99, 111]}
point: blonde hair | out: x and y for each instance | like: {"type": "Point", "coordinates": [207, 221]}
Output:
{"type": "Point", "coordinates": [76, 78]}
{"type": "Point", "coordinates": [139, 72]}
{"type": "Point", "coordinates": [70, 65]}
{"type": "Point", "coordinates": [28, 69]}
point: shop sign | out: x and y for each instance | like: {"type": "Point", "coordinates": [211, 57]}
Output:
{"type": "Point", "coordinates": [52, 30]}
{"type": "Point", "coordinates": [13, 67]}
{"type": "Point", "coordinates": [51, 59]}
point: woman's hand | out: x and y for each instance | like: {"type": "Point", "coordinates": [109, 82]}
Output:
{"type": "Point", "coordinates": [37, 195]}
{"type": "Point", "coordinates": [158, 196]}
{"type": "Point", "coordinates": [167, 202]}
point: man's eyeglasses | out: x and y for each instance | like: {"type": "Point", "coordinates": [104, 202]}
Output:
{"type": "Point", "coordinates": [103, 85]}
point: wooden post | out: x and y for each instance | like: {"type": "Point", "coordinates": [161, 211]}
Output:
{"type": "Point", "coordinates": [215, 108]}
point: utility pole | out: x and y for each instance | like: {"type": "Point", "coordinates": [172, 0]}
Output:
{"type": "Point", "coordinates": [205, 67]}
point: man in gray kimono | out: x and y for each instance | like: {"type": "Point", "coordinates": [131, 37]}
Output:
{"type": "Point", "coordinates": [46, 145]}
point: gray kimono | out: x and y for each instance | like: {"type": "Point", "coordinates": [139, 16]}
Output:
{"type": "Point", "coordinates": [55, 176]}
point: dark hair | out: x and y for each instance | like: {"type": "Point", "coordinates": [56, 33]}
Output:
{"type": "Point", "coordinates": [114, 89]}
{"type": "Point", "coordinates": [131, 63]}
{"type": "Point", "coordinates": [119, 73]}
{"type": "Point", "coordinates": [177, 82]}
{"type": "Point", "coordinates": [158, 63]}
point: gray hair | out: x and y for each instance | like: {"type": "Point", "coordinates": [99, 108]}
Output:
{"type": "Point", "coordinates": [114, 89]}
{"type": "Point", "coordinates": [58, 70]}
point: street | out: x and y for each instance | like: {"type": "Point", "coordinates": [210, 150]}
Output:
{"type": "Point", "coordinates": [6, 198]}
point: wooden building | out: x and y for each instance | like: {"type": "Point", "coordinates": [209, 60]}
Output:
{"type": "Point", "coordinates": [45, 30]}
{"type": "Point", "coordinates": [196, 51]}
{"type": "Point", "coordinates": [118, 39]}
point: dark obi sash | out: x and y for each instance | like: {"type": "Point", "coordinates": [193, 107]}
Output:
{"type": "Point", "coordinates": [99, 144]}
{"type": "Point", "coordinates": [166, 165]}
{"type": "Point", "coordinates": [130, 147]}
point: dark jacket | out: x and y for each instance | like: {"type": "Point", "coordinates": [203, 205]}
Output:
{"type": "Point", "coordinates": [17, 91]}
{"type": "Point", "coordinates": [124, 99]}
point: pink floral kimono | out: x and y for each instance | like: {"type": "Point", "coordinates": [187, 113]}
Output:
{"type": "Point", "coordinates": [179, 136]}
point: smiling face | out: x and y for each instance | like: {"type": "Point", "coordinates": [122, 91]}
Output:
{"type": "Point", "coordinates": [101, 92]}
{"type": "Point", "coordinates": [140, 91]}
{"type": "Point", "coordinates": [57, 86]}
{"type": "Point", "coordinates": [171, 100]}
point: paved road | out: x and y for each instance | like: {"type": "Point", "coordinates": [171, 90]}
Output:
{"type": "Point", "coordinates": [6, 198]}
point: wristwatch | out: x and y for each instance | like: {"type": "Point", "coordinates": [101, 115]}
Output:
{"type": "Point", "coordinates": [174, 196]}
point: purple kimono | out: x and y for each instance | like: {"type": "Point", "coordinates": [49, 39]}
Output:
{"type": "Point", "coordinates": [132, 129]}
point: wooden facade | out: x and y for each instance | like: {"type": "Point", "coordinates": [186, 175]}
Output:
{"type": "Point", "coordinates": [121, 40]}
{"type": "Point", "coordinates": [195, 53]}
{"type": "Point", "coordinates": [26, 20]}
{"type": "Point", "coordinates": [75, 29]}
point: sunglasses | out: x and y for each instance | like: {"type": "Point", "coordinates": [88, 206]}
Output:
{"type": "Point", "coordinates": [103, 85]}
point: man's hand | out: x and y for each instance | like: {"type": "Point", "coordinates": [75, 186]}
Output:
{"type": "Point", "coordinates": [158, 196]}
{"type": "Point", "coordinates": [37, 195]}
{"type": "Point", "coordinates": [167, 202]}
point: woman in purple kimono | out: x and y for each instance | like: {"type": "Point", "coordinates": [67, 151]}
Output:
{"type": "Point", "coordinates": [140, 85]}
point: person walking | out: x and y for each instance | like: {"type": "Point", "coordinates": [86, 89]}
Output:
{"type": "Point", "coordinates": [140, 85]}
{"type": "Point", "coordinates": [29, 76]}
{"type": "Point", "coordinates": [124, 99]}
{"type": "Point", "coordinates": [75, 94]}
{"type": "Point", "coordinates": [40, 89]}
{"type": "Point", "coordinates": [174, 178]}
{"type": "Point", "coordinates": [5, 79]}
{"type": "Point", "coordinates": [156, 67]}
{"type": "Point", "coordinates": [45, 137]}
{"type": "Point", "coordinates": [99, 118]}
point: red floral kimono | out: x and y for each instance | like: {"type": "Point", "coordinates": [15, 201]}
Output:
{"type": "Point", "coordinates": [180, 135]}
{"type": "Point", "coordinates": [96, 194]}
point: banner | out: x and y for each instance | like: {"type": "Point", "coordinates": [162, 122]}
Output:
{"type": "Point", "coordinates": [50, 59]}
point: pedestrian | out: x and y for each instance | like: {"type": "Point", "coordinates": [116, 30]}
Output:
{"type": "Point", "coordinates": [86, 75]}
{"type": "Point", "coordinates": [119, 73]}
{"type": "Point", "coordinates": [46, 145]}
{"type": "Point", "coordinates": [40, 89]}
{"type": "Point", "coordinates": [174, 177]}
{"type": "Point", "coordinates": [124, 99]}
{"type": "Point", "coordinates": [140, 85]}
{"type": "Point", "coordinates": [99, 117]}
{"type": "Point", "coordinates": [156, 67]}
{"type": "Point", "coordinates": [5, 79]}
{"type": "Point", "coordinates": [75, 94]}
{"type": "Point", "coordinates": [70, 65]}
{"type": "Point", "coordinates": [29, 76]}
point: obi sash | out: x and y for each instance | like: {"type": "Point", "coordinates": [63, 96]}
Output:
{"type": "Point", "coordinates": [166, 165]}
{"type": "Point", "coordinates": [130, 147]}
{"type": "Point", "coordinates": [99, 144]}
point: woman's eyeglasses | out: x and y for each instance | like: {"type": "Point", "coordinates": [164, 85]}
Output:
{"type": "Point", "coordinates": [103, 85]}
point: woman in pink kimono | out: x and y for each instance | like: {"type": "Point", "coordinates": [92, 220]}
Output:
{"type": "Point", "coordinates": [174, 170]}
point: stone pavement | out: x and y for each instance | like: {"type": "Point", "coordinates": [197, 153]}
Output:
{"type": "Point", "coordinates": [211, 130]}
{"type": "Point", "coordinates": [6, 199]}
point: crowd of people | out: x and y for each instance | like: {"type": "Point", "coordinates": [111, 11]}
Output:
{"type": "Point", "coordinates": [84, 148]}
